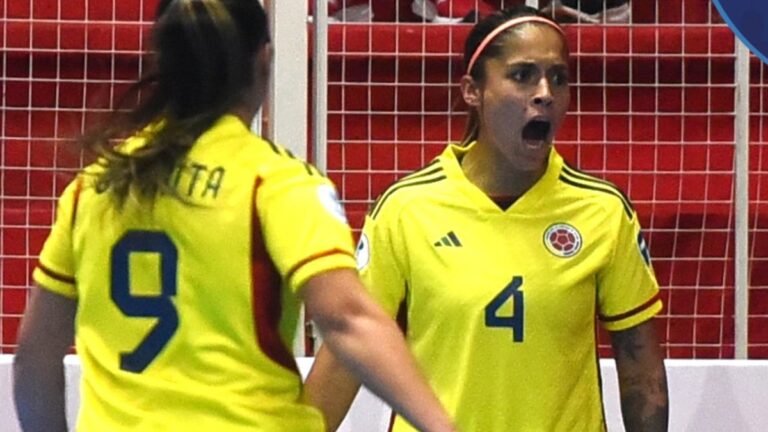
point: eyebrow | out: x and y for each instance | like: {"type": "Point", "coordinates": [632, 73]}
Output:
{"type": "Point", "coordinates": [528, 63]}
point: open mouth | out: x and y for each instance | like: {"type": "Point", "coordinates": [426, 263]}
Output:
{"type": "Point", "coordinates": [536, 130]}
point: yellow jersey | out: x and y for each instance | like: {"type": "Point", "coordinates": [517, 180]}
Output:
{"type": "Point", "coordinates": [187, 306]}
{"type": "Point", "coordinates": [501, 304]}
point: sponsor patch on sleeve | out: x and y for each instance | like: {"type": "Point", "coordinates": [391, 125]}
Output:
{"type": "Point", "coordinates": [363, 252]}
{"type": "Point", "coordinates": [643, 247]}
{"type": "Point", "coordinates": [330, 201]}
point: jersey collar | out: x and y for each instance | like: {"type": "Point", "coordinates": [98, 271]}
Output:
{"type": "Point", "coordinates": [533, 198]}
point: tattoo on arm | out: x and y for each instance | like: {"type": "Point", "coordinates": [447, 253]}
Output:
{"type": "Point", "coordinates": [642, 379]}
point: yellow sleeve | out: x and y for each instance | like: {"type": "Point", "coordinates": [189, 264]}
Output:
{"type": "Point", "coordinates": [304, 225]}
{"type": "Point", "coordinates": [628, 293]}
{"type": "Point", "coordinates": [378, 263]}
{"type": "Point", "coordinates": [55, 270]}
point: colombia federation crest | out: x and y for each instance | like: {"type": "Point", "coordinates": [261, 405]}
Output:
{"type": "Point", "coordinates": [562, 240]}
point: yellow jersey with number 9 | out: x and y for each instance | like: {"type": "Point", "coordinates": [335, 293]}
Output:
{"type": "Point", "coordinates": [500, 304]}
{"type": "Point", "coordinates": [187, 305]}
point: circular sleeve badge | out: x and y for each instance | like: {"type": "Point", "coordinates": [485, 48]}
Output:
{"type": "Point", "coordinates": [330, 201]}
{"type": "Point", "coordinates": [363, 252]}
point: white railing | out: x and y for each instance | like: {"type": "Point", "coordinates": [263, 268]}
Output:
{"type": "Point", "coordinates": [705, 396]}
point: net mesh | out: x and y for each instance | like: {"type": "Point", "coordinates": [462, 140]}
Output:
{"type": "Point", "coordinates": [653, 107]}
{"type": "Point", "coordinates": [63, 63]}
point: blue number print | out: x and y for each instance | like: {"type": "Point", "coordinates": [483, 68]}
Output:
{"type": "Point", "coordinates": [160, 307]}
{"type": "Point", "coordinates": [515, 322]}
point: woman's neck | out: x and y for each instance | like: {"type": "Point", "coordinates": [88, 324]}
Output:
{"type": "Point", "coordinates": [245, 113]}
{"type": "Point", "coordinates": [494, 174]}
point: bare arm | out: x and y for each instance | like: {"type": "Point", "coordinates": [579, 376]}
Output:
{"type": "Point", "coordinates": [331, 387]}
{"type": "Point", "coordinates": [47, 332]}
{"type": "Point", "coordinates": [642, 378]}
{"type": "Point", "coordinates": [371, 346]}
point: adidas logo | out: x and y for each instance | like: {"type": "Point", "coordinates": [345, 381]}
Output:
{"type": "Point", "coordinates": [449, 240]}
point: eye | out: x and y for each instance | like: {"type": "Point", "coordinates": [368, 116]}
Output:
{"type": "Point", "coordinates": [522, 74]}
{"type": "Point", "coordinates": [560, 77]}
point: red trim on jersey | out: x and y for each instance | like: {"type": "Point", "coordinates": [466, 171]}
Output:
{"type": "Point", "coordinates": [58, 276]}
{"type": "Point", "coordinates": [628, 314]}
{"type": "Point", "coordinates": [311, 258]}
{"type": "Point", "coordinates": [78, 189]}
{"type": "Point", "coordinates": [267, 304]}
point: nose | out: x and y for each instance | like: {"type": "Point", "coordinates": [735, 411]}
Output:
{"type": "Point", "coordinates": [543, 93]}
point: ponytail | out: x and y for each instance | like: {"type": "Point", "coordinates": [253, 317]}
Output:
{"type": "Point", "coordinates": [202, 65]}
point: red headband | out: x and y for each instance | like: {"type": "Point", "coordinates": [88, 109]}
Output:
{"type": "Point", "coordinates": [511, 23]}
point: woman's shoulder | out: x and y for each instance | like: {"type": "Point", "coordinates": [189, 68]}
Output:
{"type": "Point", "coordinates": [410, 188]}
{"type": "Point", "coordinates": [581, 185]}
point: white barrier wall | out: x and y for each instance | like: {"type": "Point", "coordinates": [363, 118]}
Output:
{"type": "Point", "coordinates": [705, 396]}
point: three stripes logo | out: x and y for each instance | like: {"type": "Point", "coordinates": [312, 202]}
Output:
{"type": "Point", "coordinates": [581, 180]}
{"type": "Point", "coordinates": [431, 173]}
{"type": "Point", "coordinates": [448, 240]}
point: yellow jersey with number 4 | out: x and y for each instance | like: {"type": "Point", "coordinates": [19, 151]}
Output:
{"type": "Point", "coordinates": [500, 304]}
{"type": "Point", "coordinates": [187, 305]}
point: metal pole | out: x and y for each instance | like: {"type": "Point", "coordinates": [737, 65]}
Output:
{"type": "Point", "coordinates": [741, 202]}
{"type": "Point", "coordinates": [288, 95]}
{"type": "Point", "coordinates": [320, 86]}
{"type": "Point", "coordinates": [288, 102]}
{"type": "Point", "coordinates": [319, 106]}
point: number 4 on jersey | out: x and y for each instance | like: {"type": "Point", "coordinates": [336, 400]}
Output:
{"type": "Point", "coordinates": [515, 322]}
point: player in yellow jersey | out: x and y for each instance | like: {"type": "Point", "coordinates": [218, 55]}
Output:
{"type": "Point", "coordinates": [500, 259]}
{"type": "Point", "coordinates": [177, 261]}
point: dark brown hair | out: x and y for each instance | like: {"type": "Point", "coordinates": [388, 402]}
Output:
{"type": "Point", "coordinates": [476, 36]}
{"type": "Point", "coordinates": [202, 52]}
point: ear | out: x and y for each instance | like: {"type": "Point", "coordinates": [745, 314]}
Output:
{"type": "Point", "coordinates": [264, 59]}
{"type": "Point", "coordinates": [470, 91]}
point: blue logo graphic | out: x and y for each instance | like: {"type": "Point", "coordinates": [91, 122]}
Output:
{"type": "Point", "coordinates": [749, 20]}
